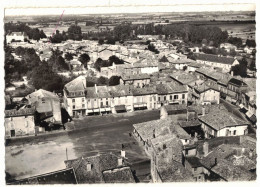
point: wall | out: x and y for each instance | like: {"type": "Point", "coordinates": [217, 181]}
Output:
{"type": "Point", "coordinates": [21, 124]}
{"type": "Point", "coordinates": [240, 130]}
{"type": "Point", "coordinates": [210, 95]}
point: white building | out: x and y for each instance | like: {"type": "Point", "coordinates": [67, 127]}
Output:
{"type": "Point", "coordinates": [16, 36]}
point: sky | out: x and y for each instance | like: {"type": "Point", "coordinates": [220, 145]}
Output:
{"type": "Point", "coordinates": [123, 6]}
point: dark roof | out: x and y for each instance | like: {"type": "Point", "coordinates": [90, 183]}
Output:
{"type": "Point", "coordinates": [164, 59]}
{"type": "Point", "coordinates": [20, 112]}
{"type": "Point", "coordinates": [65, 176]}
{"type": "Point", "coordinates": [194, 162]}
{"type": "Point", "coordinates": [191, 123]}
{"type": "Point", "coordinates": [175, 173]}
{"type": "Point", "coordinates": [236, 82]}
{"type": "Point", "coordinates": [215, 58]}
{"type": "Point", "coordinates": [99, 164]}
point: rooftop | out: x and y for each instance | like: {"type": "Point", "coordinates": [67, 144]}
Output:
{"type": "Point", "coordinates": [215, 58]}
{"type": "Point", "coordinates": [78, 84]}
{"type": "Point", "coordinates": [98, 165]}
{"type": "Point", "coordinates": [219, 119]}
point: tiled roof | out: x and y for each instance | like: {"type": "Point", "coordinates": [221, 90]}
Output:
{"type": "Point", "coordinates": [183, 77]}
{"type": "Point", "coordinates": [215, 58]}
{"type": "Point", "coordinates": [175, 172]}
{"type": "Point", "coordinates": [140, 76]}
{"type": "Point", "coordinates": [120, 175]}
{"type": "Point", "coordinates": [99, 164]}
{"type": "Point", "coordinates": [20, 112]}
{"type": "Point", "coordinates": [39, 94]}
{"type": "Point", "coordinates": [191, 123]}
{"type": "Point", "coordinates": [194, 161]}
{"type": "Point", "coordinates": [219, 119]}
{"type": "Point", "coordinates": [65, 176]}
{"type": "Point", "coordinates": [170, 88]}
{"type": "Point", "coordinates": [76, 84]}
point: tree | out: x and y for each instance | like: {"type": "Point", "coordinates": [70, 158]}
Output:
{"type": "Point", "coordinates": [68, 56]}
{"type": "Point", "coordinates": [100, 41]}
{"type": "Point", "coordinates": [241, 68]}
{"type": "Point", "coordinates": [250, 43]}
{"type": "Point", "coordinates": [19, 51]}
{"type": "Point", "coordinates": [153, 49]}
{"type": "Point", "coordinates": [111, 41]}
{"type": "Point", "coordinates": [74, 32]}
{"type": "Point", "coordinates": [102, 81]}
{"type": "Point", "coordinates": [114, 59]}
{"type": "Point", "coordinates": [114, 80]}
{"type": "Point", "coordinates": [235, 41]}
{"type": "Point", "coordinates": [84, 59]}
{"type": "Point", "coordinates": [97, 64]}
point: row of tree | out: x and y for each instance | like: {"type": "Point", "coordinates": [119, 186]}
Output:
{"type": "Point", "coordinates": [33, 33]}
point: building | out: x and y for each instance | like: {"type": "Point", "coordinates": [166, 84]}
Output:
{"type": "Point", "coordinates": [225, 63]}
{"type": "Point", "coordinates": [19, 122]}
{"type": "Point", "coordinates": [228, 47]}
{"type": "Point", "coordinates": [47, 104]}
{"type": "Point", "coordinates": [65, 176]}
{"type": "Point", "coordinates": [104, 168]}
{"type": "Point", "coordinates": [75, 96]}
{"type": "Point", "coordinates": [137, 80]}
{"type": "Point", "coordinates": [16, 36]}
{"type": "Point", "coordinates": [203, 94]}
{"type": "Point", "coordinates": [219, 122]}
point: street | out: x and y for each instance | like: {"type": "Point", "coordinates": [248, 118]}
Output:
{"type": "Point", "coordinates": [91, 136]}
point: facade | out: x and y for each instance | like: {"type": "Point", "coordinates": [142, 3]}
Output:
{"type": "Point", "coordinates": [75, 96]}
{"type": "Point", "coordinates": [219, 122]}
{"type": "Point", "coordinates": [225, 63]}
{"type": "Point", "coordinates": [205, 94]}
{"type": "Point", "coordinates": [19, 122]}
{"type": "Point", "coordinates": [137, 80]}
{"type": "Point", "coordinates": [47, 104]}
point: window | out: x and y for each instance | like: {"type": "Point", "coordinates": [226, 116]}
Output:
{"type": "Point", "coordinates": [183, 96]}
{"type": "Point", "coordinates": [234, 133]}
{"type": "Point", "coordinates": [164, 98]}
{"type": "Point", "coordinates": [83, 105]}
{"type": "Point", "coordinates": [186, 140]}
{"type": "Point", "coordinates": [170, 97]}
{"type": "Point", "coordinates": [107, 103]}
{"type": "Point", "coordinates": [175, 96]}
{"type": "Point", "coordinates": [83, 99]}
{"type": "Point", "coordinates": [199, 177]}
{"type": "Point", "coordinates": [159, 98]}
{"type": "Point", "coordinates": [73, 100]}
{"type": "Point", "coordinates": [73, 106]}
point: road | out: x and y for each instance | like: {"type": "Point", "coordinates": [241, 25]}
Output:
{"type": "Point", "coordinates": [92, 136]}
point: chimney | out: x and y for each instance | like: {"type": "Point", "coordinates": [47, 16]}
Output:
{"type": "Point", "coordinates": [120, 161]}
{"type": "Point", "coordinates": [205, 148]}
{"type": "Point", "coordinates": [122, 153]}
{"type": "Point", "coordinates": [232, 73]}
{"type": "Point", "coordinates": [96, 88]}
{"type": "Point", "coordinates": [203, 111]}
{"type": "Point", "coordinates": [88, 166]}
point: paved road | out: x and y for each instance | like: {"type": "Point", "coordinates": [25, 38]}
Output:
{"type": "Point", "coordinates": [92, 136]}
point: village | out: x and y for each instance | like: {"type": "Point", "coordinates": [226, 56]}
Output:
{"type": "Point", "coordinates": [185, 114]}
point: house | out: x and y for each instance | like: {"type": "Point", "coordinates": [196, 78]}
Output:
{"type": "Point", "coordinates": [137, 80]}
{"type": "Point", "coordinates": [228, 47]}
{"type": "Point", "coordinates": [47, 104]}
{"type": "Point", "coordinates": [16, 36]}
{"type": "Point", "coordinates": [64, 176]}
{"type": "Point", "coordinates": [172, 93]}
{"type": "Point", "coordinates": [219, 122]}
{"type": "Point", "coordinates": [19, 122]}
{"type": "Point", "coordinates": [224, 63]}
{"type": "Point", "coordinates": [104, 168]}
{"type": "Point", "coordinates": [198, 170]}
{"type": "Point", "coordinates": [235, 87]}
{"type": "Point", "coordinates": [75, 64]}
{"type": "Point", "coordinates": [75, 96]}
{"type": "Point", "coordinates": [231, 162]}
{"type": "Point", "coordinates": [205, 94]}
